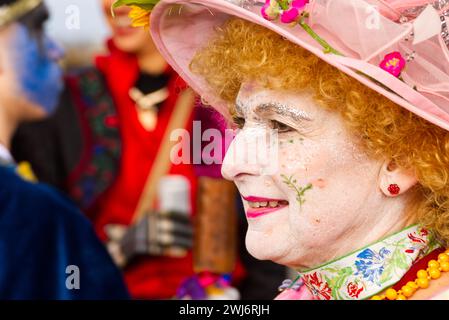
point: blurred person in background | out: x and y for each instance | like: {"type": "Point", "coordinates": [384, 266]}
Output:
{"type": "Point", "coordinates": [106, 146]}
{"type": "Point", "coordinates": [48, 248]}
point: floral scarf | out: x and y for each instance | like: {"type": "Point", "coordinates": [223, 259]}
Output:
{"type": "Point", "coordinates": [370, 270]}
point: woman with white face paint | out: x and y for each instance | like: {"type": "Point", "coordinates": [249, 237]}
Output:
{"type": "Point", "coordinates": [353, 193]}
{"type": "Point", "coordinates": [48, 249]}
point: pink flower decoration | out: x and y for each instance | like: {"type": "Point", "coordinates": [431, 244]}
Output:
{"type": "Point", "coordinates": [272, 10]}
{"type": "Point", "coordinates": [289, 16]}
{"type": "Point", "coordinates": [206, 279]}
{"type": "Point", "coordinates": [393, 63]}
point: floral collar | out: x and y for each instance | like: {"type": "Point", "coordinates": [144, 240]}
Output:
{"type": "Point", "coordinates": [370, 270]}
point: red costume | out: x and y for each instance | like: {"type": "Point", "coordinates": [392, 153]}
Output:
{"type": "Point", "coordinates": [148, 277]}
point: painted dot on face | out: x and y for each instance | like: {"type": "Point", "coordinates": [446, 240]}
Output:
{"type": "Point", "coordinates": [320, 183]}
{"type": "Point", "coordinates": [268, 183]}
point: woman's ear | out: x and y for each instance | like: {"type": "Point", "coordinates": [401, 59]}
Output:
{"type": "Point", "coordinates": [394, 181]}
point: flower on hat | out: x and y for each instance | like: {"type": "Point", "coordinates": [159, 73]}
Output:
{"type": "Point", "coordinates": [140, 10]}
{"type": "Point", "coordinates": [270, 11]}
{"type": "Point", "coordinates": [393, 63]}
{"type": "Point", "coordinates": [140, 17]}
{"type": "Point", "coordinates": [288, 10]}
{"type": "Point", "coordinates": [292, 14]}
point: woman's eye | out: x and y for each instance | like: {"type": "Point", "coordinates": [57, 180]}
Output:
{"type": "Point", "coordinates": [280, 127]}
{"type": "Point", "coordinates": [239, 121]}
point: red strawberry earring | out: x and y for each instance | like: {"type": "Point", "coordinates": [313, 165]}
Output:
{"type": "Point", "coordinates": [394, 189]}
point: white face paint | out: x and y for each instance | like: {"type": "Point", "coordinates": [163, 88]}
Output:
{"type": "Point", "coordinates": [323, 200]}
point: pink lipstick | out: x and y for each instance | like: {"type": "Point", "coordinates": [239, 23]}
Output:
{"type": "Point", "coordinates": [259, 206]}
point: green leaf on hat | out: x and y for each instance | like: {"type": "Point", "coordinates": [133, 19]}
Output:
{"type": "Point", "coordinates": [144, 4]}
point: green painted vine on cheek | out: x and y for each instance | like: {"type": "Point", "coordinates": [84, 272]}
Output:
{"type": "Point", "coordinates": [291, 182]}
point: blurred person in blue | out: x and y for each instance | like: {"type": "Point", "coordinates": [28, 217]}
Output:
{"type": "Point", "coordinates": [48, 249]}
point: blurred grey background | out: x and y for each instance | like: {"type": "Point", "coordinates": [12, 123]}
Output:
{"type": "Point", "coordinates": [79, 26]}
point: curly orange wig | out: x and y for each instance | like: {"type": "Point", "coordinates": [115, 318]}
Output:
{"type": "Point", "coordinates": [243, 51]}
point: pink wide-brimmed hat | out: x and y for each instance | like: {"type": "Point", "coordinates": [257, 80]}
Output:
{"type": "Point", "coordinates": [398, 48]}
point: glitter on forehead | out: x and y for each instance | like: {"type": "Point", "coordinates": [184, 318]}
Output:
{"type": "Point", "coordinates": [283, 110]}
{"type": "Point", "coordinates": [246, 101]}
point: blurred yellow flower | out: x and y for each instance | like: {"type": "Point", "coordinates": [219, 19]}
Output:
{"type": "Point", "coordinates": [25, 171]}
{"type": "Point", "coordinates": [140, 17]}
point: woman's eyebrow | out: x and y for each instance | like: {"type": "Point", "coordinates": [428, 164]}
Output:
{"type": "Point", "coordinates": [282, 110]}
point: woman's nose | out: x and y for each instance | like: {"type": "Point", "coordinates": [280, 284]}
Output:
{"type": "Point", "coordinates": [251, 153]}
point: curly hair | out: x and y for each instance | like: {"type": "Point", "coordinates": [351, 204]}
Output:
{"type": "Point", "coordinates": [243, 51]}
